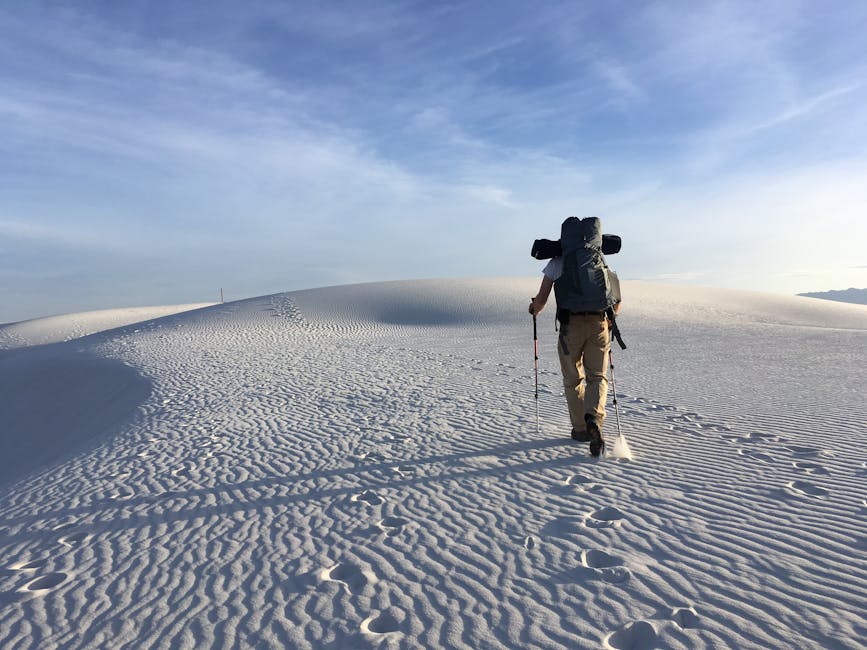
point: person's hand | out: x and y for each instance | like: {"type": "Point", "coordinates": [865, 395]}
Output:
{"type": "Point", "coordinates": [536, 305]}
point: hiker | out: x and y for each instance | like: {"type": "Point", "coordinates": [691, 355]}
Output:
{"type": "Point", "coordinates": [586, 316]}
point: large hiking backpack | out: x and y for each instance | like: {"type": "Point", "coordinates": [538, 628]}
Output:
{"type": "Point", "coordinates": [586, 284]}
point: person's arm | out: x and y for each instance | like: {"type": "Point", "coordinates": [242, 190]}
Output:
{"type": "Point", "coordinates": [538, 303]}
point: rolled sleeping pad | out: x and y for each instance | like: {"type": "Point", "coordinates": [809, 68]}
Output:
{"type": "Point", "coordinates": [545, 249]}
{"type": "Point", "coordinates": [610, 244]}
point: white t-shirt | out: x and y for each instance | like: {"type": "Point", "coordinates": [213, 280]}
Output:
{"type": "Point", "coordinates": [554, 268]}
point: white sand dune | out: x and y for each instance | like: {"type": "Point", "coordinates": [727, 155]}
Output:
{"type": "Point", "coordinates": [359, 467]}
{"type": "Point", "coordinates": [53, 329]}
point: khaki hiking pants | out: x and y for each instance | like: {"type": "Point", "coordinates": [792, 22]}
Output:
{"type": "Point", "coordinates": [583, 350]}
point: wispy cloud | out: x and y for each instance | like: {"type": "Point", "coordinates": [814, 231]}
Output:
{"type": "Point", "coordinates": [803, 107]}
{"type": "Point", "coordinates": [55, 235]}
{"type": "Point", "coordinates": [621, 80]}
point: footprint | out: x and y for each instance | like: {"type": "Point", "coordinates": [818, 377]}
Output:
{"type": "Point", "coordinates": [186, 470]}
{"type": "Point", "coordinates": [583, 483]}
{"type": "Point", "coordinates": [563, 527]}
{"type": "Point", "coordinates": [685, 617]}
{"type": "Point", "coordinates": [810, 468]}
{"type": "Point", "coordinates": [595, 559]}
{"type": "Point", "coordinates": [608, 567]}
{"type": "Point", "coordinates": [121, 494]}
{"type": "Point", "coordinates": [44, 584]}
{"type": "Point", "coordinates": [353, 578]}
{"type": "Point", "coordinates": [809, 452]}
{"type": "Point", "coordinates": [752, 438]}
{"type": "Point", "coordinates": [808, 489]}
{"type": "Point", "coordinates": [214, 449]}
{"type": "Point", "coordinates": [686, 418]}
{"type": "Point", "coordinates": [404, 471]}
{"type": "Point", "coordinates": [529, 542]}
{"type": "Point", "coordinates": [73, 540]}
{"type": "Point", "coordinates": [482, 462]}
{"type": "Point", "coordinates": [386, 622]}
{"type": "Point", "coordinates": [756, 455]}
{"type": "Point", "coordinates": [640, 635]}
{"type": "Point", "coordinates": [369, 497]}
{"type": "Point", "coordinates": [763, 436]}
{"type": "Point", "coordinates": [607, 517]}
{"type": "Point", "coordinates": [392, 526]}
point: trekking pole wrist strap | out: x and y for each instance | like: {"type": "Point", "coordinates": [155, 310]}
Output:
{"type": "Point", "coordinates": [614, 329]}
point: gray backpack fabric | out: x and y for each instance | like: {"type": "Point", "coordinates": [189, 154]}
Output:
{"type": "Point", "coordinates": [587, 284]}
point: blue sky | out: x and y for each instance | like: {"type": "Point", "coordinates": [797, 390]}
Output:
{"type": "Point", "coordinates": [153, 152]}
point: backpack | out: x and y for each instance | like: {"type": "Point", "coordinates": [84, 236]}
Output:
{"type": "Point", "coordinates": [586, 284]}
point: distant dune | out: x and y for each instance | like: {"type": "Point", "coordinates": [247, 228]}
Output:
{"type": "Point", "coordinates": [852, 295]}
{"type": "Point", "coordinates": [53, 329]}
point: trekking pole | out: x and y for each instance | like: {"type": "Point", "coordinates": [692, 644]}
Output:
{"type": "Point", "coordinates": [621, 446]}
{"type": "Point", "coordinates": [536, 365]}
{"type": "Point", "coordinates": [614, 393]}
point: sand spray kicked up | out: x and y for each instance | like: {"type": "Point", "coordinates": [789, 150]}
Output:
{"type": "Point", "coordinates": [621, 447]}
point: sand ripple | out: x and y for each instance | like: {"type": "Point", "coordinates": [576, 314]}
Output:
{"type": "Point", "coordinates": [328, 470]}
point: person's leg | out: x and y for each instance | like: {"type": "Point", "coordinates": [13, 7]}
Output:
{"type": "Point", "coordinates": [596, 348]}
{"type": "Point", "coordinates": [573, 374]}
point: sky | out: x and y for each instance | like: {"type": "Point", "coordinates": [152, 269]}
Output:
{"type": "Point", "coordinates": [153, 152]}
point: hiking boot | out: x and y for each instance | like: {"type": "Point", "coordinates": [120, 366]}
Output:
{"type": "Point", "coordinates": [597, 442]}
{"type": "Point", "coordinates": [580, 436]}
